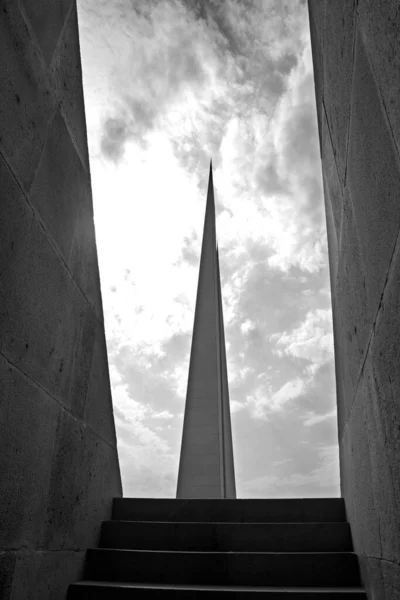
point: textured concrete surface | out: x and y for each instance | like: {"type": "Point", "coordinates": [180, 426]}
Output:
{"type": "Point", "coordinates": [231, 568]}
{"type": "Point", "coordinates": [358, 100]}
{"type": "Point", "coordinates": [228, 510]}
{"type": "Point", "coordinates": [337, 72]}
{"type": "Point", "coordinates": [282, 554]}
{"type": "Point", "coordinates": [227, 537]}
{"type": "Point", "coordinates": [58, 456]}
{"type": "Point", "coordinates": [380, 28]}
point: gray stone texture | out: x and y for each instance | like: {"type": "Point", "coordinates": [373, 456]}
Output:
{"type": "Point", "coordinates": [358, 102]}
{"type": "Point", "coordinates": [58, 456]}
{"type": "Point", "coordinates": [296, 548]}
{"type": "Point", "coordinates": [206, 466]}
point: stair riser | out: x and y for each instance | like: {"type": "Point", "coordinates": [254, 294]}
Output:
{"type": "Point", "coordinates": [223, 511]}
{"type": "Point", "coordinates": [282, 537]}
{"type": "Point", "coordinates": [96, 593]}
{"type": "Point", "coordinates": [223, 569]}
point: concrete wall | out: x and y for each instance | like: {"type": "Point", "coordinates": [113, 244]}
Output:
{"type": "Point", "coordinates": [356, 53]}
{"type": "Point", "coordinates": [58, 459]}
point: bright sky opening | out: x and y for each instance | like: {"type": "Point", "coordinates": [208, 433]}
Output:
{"type": "Point", "coordinates": [168, 85]}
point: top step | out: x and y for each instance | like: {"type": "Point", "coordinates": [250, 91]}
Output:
{"type": "Point", "coordinates": [293, 510]}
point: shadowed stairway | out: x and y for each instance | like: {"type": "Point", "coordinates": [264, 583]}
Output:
{"type": "Point", "coordinates": [295, 549]}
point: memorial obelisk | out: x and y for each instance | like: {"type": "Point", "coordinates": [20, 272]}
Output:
{"type": "Point", "coordinates": [206, 467]}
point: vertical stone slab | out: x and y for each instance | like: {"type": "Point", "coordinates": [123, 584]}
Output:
{"type": "Point", "coordinates": [229, 467]}
{"type": "Point", "coordinates": [361, 164]}
{"type": "Point", "coordinates": [58, 456]}
{"type": "Point", "coordinates": [27, 101]}
{"type": "Point", "coordinates": [316, 15]}
{"type": "Point", "coordinates": [380, 27]}
{"type": "Point", "coordinates": [339, 37]}
{"type": "Point", "coordinates": [205, 437]}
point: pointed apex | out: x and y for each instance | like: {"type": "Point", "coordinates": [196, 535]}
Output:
{"type": "Point", "coordinates": [210, 195]}
{"type": "Point", "coordinates": [206, 467]}
{"type": "Point", "coordinates": [210, 178]}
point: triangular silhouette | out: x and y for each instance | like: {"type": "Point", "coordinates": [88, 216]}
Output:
{"type": "Point", "coordinates": [206, 468]}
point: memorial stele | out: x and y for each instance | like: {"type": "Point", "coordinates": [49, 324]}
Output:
{"type": "Point", "coordinates": [206, 467]}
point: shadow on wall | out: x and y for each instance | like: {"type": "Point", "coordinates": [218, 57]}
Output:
{"type": "Point", "coordinates": [59, 460]}
{"type": "Point", "coordinates": [356, 53]}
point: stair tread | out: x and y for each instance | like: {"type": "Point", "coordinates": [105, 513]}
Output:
{"type": "Point", "coordinates": [203, 552]}
{"type": "Point", "coordinates": [229, 510]}
{"type": "Point", "coordinates": [182, 586]}
{"type": "Point", "coordinates": [230, 523]}
{"type": "Point", "coordinates": [338, 500]}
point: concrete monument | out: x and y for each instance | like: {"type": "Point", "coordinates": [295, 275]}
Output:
{"type": "Point", "coordinates": [206, 468]}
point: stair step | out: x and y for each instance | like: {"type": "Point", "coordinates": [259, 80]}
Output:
{"type": "Point", "coordinates": [294, 510]}
{"type": "Point", "coordinates": [88, 590]}
{"type": "Point", "coordinates": [218, 568]}
{"type": "Point", "coordinates": [226, 537]}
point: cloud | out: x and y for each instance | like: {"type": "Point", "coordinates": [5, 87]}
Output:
{"type": "Point", "coordinates": [246, 326]}
{"type": "Point", "coordinates": [169, 56]}
{"type": "Point", "coordinates": [262, 404]}
{"type": "Point", "coordinates": [313, 418]}
{"type": "Point", "coordinates": [168, 84]}
{"type": "Point", "coordinates": [134, 413]}
{"type": "Point", "coordinates": [164, 414]}
{"type": "Point", "coordinates": [236, 406]}
{"type": "Point", "coordinates": [322, 481]}
{"type": "Point", "coordinates": [311, 341]}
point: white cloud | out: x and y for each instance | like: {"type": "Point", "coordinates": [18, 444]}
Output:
{"type": "Point", "coordinates": [164, 414]}
{"type": "Point", "coordinates": [135, 413]}
{"type": "Point", "coordinates": [320, 481]}
{"type": "Point", "coordinates": [236, 406]}
{"type": "Point", "coordinates": [164, 91]}
{"type": "Point", "coordinates": [282, 462]}
{"type": "Point", "coordinates": [262, 402]}
{"type": "Point", "coordinates": [179, 377]}
{"type": "Point", "coordinates": [312, 418]}
{"type": "Point", "coordinates": [246, 326]}
{"type": "Point", "coordinates": [311, 341]}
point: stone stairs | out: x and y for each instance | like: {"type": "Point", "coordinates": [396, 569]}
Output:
{"type": "Point", "coordinates": [294, 549]}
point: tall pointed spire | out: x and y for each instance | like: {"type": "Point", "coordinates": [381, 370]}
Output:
{"type": "Point", "coordinates": [206, 468]}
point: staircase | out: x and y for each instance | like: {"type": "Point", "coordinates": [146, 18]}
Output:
{"type": "Point", "coordinates": [293, 549]}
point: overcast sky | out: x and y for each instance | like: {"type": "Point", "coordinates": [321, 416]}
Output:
{"type": "Point", "coordinates": [168, 85]}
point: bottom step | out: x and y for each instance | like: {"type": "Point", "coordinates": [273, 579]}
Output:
{"type": "Point", "coordinates": [102, 590]}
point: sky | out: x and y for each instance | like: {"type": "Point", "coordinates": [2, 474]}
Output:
{"type": "Point", "coordinates": [168, 85]}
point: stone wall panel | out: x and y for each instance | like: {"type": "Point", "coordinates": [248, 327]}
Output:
{"type": "Point", "coordinates": [391, 579]}
{"type": "Point", "coordinates": [58, 455]}
{"type": "Point", "coordinates": [31, 416]}
{"type": "Point", "coordinates": [373, 178]}
{"type": "Point", "coordinates": [351, 312]}
{"type": "Point", "coordinates": [48, 325]}
{"type": "Point", "coordinates": [82, 260]}
{"type": "Point", "coordinates": [82, 466]}
{"type": "Point", "coordinates": [44, 574]}
{"type": "Point", "coordinates": [61, 186]}
{"type": "Point", "coordinates": [66, 78]}
{"type": "Point", "coordinates": [340, 18]}
{"type": "Point", "coordinates": [47, 20]}
{"type": "Point", "coordinates": [385, 353]}
{"type": "Point", "coordinates": [380, 27]}
{"type": "Point", "coordinates": [335, 188]}
{"type": "Point", "coordinates": [7, 568]}
{"type": "Point", "coordinates": [15, 226]}
{"type": "Point", "coordinates": [365, 294]}
{"type": "Point", "coordinates": [26, 96]}
{"type": "Point", "coordinates": [98, 405]}
{"type": "Point", "coordinates": [367, 540]}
